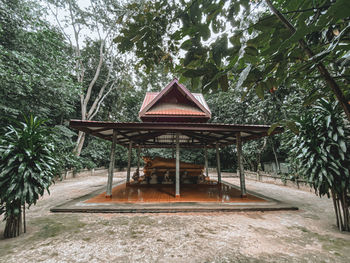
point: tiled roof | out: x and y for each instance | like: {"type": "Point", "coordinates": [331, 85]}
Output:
{"type": "Point", "coordinates": [175, 111]}
{"type": "Point", "coordinates": [174, 100]}
{"type": "Point", "coordinates": [200, 98]}
{"type": "Point", "coordinates": [148, 98]}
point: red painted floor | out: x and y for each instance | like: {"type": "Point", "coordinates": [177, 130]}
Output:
{"type": "Point", "coordinates": [166, 193]}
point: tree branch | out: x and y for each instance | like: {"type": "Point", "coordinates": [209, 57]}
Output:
{"type": "Point", "coordinates": [321, 68]}
{"type": "Point", "coordinates": [97, 99]}
{"type": "Point", "coordinates": [60, 26]}
{"type": "Point", "coordinates": [97, 74]}
{"type": "Point", "coordinates": [101, 100]}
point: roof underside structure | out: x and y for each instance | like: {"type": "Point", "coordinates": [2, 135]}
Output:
{"type": "Point", "coordinates": [163, 135]}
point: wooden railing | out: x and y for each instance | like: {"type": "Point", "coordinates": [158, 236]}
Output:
{"type": "Point", "coordinates": [276, 179]}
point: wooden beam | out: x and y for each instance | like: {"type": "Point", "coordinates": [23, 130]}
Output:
{"type": "Point", "coordinates": [138, 158]}
{"type": "Point", "coordinates": [218, 167]}
{"type": "Point", "coordinates": [171, 127]}
{"type": "Point", "coordinates": [105, 137]}
{"type": "Point", "coordinates": [111, 166]}
{"type": "Point", "coordinates": [187, 146]}
{"type": "Point", "coordinates": [94, 132]}
{"type": "Point", "coordinates": [177, 177]}
{"type": "Point", "coordinates": [124, 134]}
{"type": "Point", "coordinates": [258, 136]}
{"type": "Point", "coordinates": [146, 136]}
{"type": "Point", "coordinates": [200, 137]}
{"type": "Point", "coordinates": [206, 160]}
{"type": "Point", "coordinates": [240, 169]}
{"type": "Point", "coordinates": [129, 163]}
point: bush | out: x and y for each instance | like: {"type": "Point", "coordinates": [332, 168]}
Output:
{"type": "Point", "coordinates": [27, 168]}
{"type": "Point", "coordinates": [320, 154]}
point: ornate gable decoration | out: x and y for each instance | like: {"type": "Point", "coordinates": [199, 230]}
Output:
{"type": "Point", "coordinates": [174, 103]}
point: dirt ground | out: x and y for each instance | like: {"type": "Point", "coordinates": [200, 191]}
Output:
{"type": "Point", "coordinates": [307, 235]}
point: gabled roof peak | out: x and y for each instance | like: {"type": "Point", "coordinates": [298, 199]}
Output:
{"type": "Point", "coordinates": [174, 101]}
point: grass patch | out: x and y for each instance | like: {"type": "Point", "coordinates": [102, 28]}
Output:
{"type": "Point", "coordinates": [209, 230]}
{"type": "Point", "coordinates": [41, 229]}
{"type": "Point", "coordinates": [339, 246]}
{"type": "Point", "coordinates": [135, 233]}
{"type": "Point", "coordinates": [53, 226]}
{"type": "Point", "coordinates": [54, 254]}
{"type": "Point", "coordinates": [142, 221]}
{"type": "Point", "coordinates": [5, 250]}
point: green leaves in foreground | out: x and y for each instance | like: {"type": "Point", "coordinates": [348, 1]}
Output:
{"type": "Point", "coordinates": [26, 164]}
{"type": "Point", "coordinates": [321, 150]}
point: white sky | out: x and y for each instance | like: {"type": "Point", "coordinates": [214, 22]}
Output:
{"type": "Point", "coordinates": [62, 14]}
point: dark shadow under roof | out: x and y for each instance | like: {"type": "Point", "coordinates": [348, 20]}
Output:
{"type": "Point", "coordinates": [163, 135]}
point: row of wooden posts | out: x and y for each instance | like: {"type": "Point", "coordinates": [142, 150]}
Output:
{"type": "Point", "coordinates": [240, 169]}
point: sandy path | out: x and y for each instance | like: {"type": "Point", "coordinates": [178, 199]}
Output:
{"type": "Point", "coordinates": [307, 235]}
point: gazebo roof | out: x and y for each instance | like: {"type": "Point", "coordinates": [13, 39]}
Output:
{"type": "Point", "coordinates": [162, 135]}
{"type": "Point", "coordinates": [174, 103]}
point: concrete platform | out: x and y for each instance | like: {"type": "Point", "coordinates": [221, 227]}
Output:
{"type": "Point", "coordinates": [160, 199]}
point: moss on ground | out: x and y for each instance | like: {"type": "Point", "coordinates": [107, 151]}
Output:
{"type": "Point", "coordinates": [335, 247]}
{"type": "Point", "coordinates": [53, 226]}
{"type": "Point", "coordinates": [41, 229]}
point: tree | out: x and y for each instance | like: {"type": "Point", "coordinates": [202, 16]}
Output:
{"type": "Point", "coordinates": [96, 20]}
{"type": "Point", "coordinates": [320, 154]}
{"type": "Point", "coordinates": [26, 169]}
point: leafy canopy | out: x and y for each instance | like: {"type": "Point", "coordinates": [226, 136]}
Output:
{"type": "Point", "coordinates": [240, 43]}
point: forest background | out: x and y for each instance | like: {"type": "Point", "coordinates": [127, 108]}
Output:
{"type": "Point", "coordinates": [62, 60]}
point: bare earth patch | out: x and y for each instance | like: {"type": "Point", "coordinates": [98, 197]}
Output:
{"type": "Point", "coordinates": [307, 235]}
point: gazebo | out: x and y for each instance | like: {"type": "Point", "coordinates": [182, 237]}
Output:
{"type": "Point", "coordinates": [174, 118]}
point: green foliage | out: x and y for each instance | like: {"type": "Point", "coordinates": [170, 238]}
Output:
{"type": "Point", "coordinates": [35, 69]}
{"type": "Point", "coordinates": [63, 139]}
{"type": "Point", "coordinates": [27, 166]}
{"type": "Point", "coordinates": [320, 152]}
{"type": "Point", "coordinates": [258, 53]}
{"type": "Point", "coordinates": [96, 153]}
{"type": "Point", "coordinates": [145, 29]}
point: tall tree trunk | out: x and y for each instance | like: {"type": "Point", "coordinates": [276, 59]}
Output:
{"type": "Point", "coordinates": [24, 219]}
{"type": "Point", "coordinates": [13, 226]}
{"type": "Point", "coordinates": [341, 208]}
{"type": "Point", "coordinates": [345, 210]}
{"type": "Point", "coordinates": [336, 209]}
{"type": "Point", "coordinates": [79, 143]}
{"type": "Point", "coordinates": [258, 168]}
{"type": "Point", "coordinates": [321, 68]}
{"type": "Point", "coordinates": [276, 158]}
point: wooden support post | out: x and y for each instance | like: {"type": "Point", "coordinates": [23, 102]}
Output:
{"type": "Point", "coordinates": [138, 158]}
{"type": "Point", "coordinates": [177, 183]}
{"type": "Point", "coordinates": [206, 160]}
{"type": "Point", "coordinates": [218, 167]}
{"type": "Point", "coordinates": [129, 163]}
{"type": "Point", "coordinates": [240, 167]}
{"type": "Point", "coordinates": [111, 166]}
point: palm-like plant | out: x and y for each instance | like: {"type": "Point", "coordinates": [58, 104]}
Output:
{"type": "Point", "coordinates": [321, 154]}
{"type": "Point", "coordinates": [26, 169]}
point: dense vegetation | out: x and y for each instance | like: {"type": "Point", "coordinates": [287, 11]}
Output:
{"type": "Point", "coordinates": [262, 62]}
